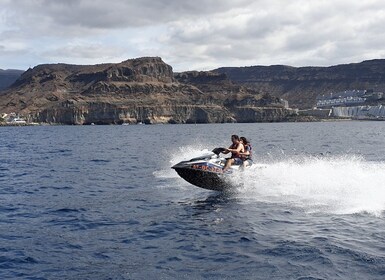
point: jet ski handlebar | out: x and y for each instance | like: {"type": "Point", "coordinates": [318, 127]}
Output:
{"type": "Point", "coordinates": [219, 150]}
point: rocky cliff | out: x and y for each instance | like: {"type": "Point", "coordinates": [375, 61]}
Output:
{"type": "Point", "coordinates": [136, 90]}
{"type": "Point", "coordinates": [301, 85]}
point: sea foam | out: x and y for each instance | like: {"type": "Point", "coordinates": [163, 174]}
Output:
{"type": "Point", "coordinates": [344, 185]}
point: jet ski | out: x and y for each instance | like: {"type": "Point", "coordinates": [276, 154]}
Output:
{"type": "Point", "coordinates": [206, 171]}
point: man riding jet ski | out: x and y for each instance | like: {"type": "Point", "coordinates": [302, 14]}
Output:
{"type": "Point", "coordinates": [236, 149]}
{"type": "Point", "coordinates": [210, 171]}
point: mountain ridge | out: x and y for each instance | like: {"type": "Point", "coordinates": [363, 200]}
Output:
{"type": "Point", "coordinates": [147, 90]}
{"type": "Point", "coordinates": [135, 90]}
{"type": "Point", "coordinates": [301, 85]}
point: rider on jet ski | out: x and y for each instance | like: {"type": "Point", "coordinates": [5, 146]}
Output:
{"type": "Point", "coordinates": [246, 156]}
{"type": "Point", "coordinates": [235, 149]}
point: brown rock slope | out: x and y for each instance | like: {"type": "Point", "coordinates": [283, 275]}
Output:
{"type": "Point", "coordinates": [136, 90]}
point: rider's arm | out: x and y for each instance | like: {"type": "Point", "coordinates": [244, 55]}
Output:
{"type": "Point", "coordinates": [240, 148]}
{"type": "Point", "coordinates": [246, 152]}
{"type": "Point", "coordinates": [226, 151]}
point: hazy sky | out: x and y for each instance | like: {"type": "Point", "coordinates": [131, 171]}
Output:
{"type": "Point", "coordinates": [191, 35]}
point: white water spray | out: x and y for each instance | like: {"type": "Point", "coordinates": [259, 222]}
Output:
{"type": "Point", "coordinates": [342, 185]}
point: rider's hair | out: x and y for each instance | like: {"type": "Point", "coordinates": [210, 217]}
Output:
{"type": "Point", "coordinates": [244, 140]}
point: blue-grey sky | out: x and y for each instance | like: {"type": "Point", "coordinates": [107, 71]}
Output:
{"type": "Point", "coordinates": [191, 35]}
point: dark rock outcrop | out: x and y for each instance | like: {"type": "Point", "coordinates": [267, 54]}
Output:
{"type": "Point", "coordinates": [137, 90]}
{"type": "Point", "coordinates": [301, 85]}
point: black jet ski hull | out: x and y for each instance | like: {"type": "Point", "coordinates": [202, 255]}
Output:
{"type": "Point", "coordinates": [204, 175]}
{"type": "Point", "coordinates": [206, 180]}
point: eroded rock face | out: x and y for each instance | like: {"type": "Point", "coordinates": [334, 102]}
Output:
{"type": "Point", "coordinates": [137, 90]}
{"type": "Point", "coordinates": [105, 113]}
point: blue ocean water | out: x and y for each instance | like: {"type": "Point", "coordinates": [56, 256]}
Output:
{"type": "Point", "coordinates": [101, 202]}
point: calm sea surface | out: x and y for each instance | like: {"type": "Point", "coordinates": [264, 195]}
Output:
{"type": "Point", "coordinates": [101, 202]}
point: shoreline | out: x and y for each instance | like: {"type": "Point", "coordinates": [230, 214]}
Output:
{"type": "Point", "coordinates": [135, 124]}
